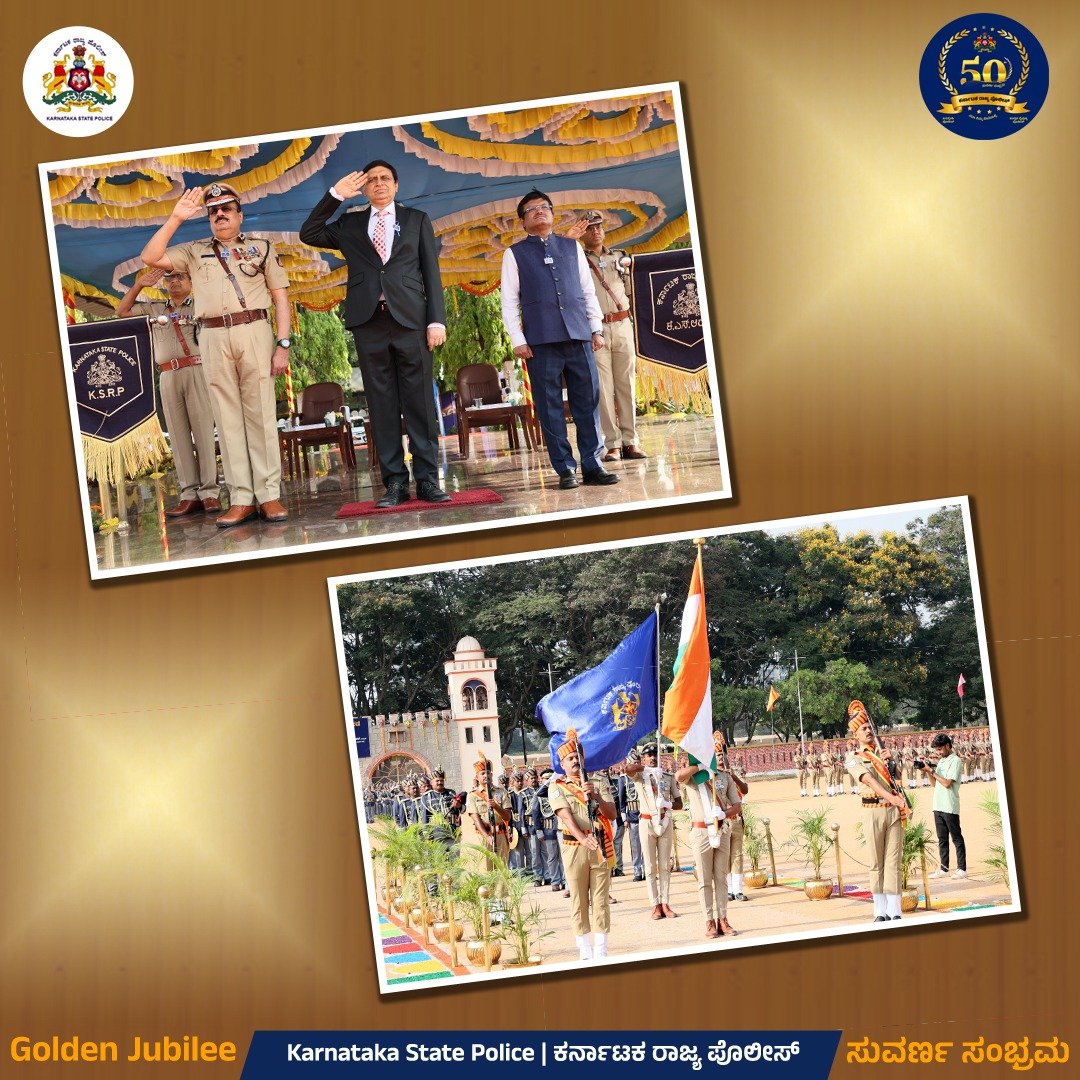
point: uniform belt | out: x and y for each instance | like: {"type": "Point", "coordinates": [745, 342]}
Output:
{"type": "Point", "coordinates": [567, 838]}
{"type": "Point", "coordinates": [616, 316]}
{"type": "Point", "coordinates": [236, 318]}
{"type": "Point", "coordinates": [700, 824]}
{"type": "Point", "coordinates": [176, 365]}
{"type": "Point", "coordinates": [645, 817]}
{"type": "Point", "coordinates": [874, 802]}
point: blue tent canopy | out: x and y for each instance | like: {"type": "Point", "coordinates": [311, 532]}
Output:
{"type": "Point", "coordinates": [621, 156]}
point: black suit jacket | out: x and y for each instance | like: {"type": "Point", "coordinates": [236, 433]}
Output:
{"type": "Point", "coordinates": [409, 280]}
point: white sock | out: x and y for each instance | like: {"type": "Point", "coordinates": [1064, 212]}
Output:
{"type": "Point", "coordinates": [879, 904]}
{"type": "Point", "coordinates": [584, 946]}
{"type": "Point", "coordinates": [736, 883]}
{"type": "Point", "coordinates": [730, 880]}
{"type": "Point", "coordinates": [600, 941]}
{"type": "Point", "coordinates": [892, 905]}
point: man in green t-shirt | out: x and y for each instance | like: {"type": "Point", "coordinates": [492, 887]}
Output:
{"type": "Point", "coordinates": [946, 780]}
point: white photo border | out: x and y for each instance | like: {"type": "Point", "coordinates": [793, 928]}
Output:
{"type": "Point", "coordinates": [782, 525]}
{"type": "Point", "coordinates": [724, 492]}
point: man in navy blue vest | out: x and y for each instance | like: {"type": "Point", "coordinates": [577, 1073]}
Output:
{"type": "Point", "coordinates": [555, 325]}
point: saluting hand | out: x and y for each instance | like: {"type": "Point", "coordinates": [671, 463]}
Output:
{"type": "Point", "coordinates": [577, 230]}
{"type": "Point", "coordinates": [189, 205]}
{"type": "Point", "coordinates": [152, 277]}
{"type": "Point", "coordinates": [350, 185]}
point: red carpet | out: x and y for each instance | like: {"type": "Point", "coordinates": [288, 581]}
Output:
{"type": "Point", "coordinates": [457, 498]}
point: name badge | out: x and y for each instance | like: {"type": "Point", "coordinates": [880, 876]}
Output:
{"type": "Point", "coordinates": [548, 260]}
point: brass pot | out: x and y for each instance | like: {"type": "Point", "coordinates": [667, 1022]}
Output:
{"type": "Point", "coordinates": [399, 904]}
{"type": "Point", "coordinates": [909, 900]}
{"type": "Point", "coordinates": [756, 879]}
{"type": "Point", "coordinates": [817, 889]}
{"type": "Point", "coordinates": [416, 915]}
{"type": "Point", "coordinates": [474, 950]}
{"type": "Point", "coordinates": [530, 961]}
{"type": "Point", "coordinates": [441, 930]}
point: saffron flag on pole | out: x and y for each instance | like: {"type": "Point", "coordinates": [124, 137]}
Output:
{"type": "Point", "coordinates": [960, 685]}
{"type": "Point", "coordinates": [688, 701]}
{"type": "Point", "coordinates": [609, 706]}
{"type": "Point", "coordinates": [774, 697]}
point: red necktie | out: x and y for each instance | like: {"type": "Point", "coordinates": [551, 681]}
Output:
{"type": "Point", "coordinates": [379, 238]}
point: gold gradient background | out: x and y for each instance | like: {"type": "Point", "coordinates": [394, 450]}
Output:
{"type": "Point", "coordinates": [896, 312]}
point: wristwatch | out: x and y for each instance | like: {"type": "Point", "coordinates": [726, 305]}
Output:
{"type": "Point", "coordinates": [285, 343]}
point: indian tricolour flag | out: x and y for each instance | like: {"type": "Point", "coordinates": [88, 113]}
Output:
{"type": "Point", "coordinates": [688, 701]}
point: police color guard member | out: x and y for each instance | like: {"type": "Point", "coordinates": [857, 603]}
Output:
{"type": "Point", "coordinates": [585, 811]}
{"type": "Point", "coordinates": [713, 803]}
{"type": "Point", "coordinates": [885, 810]}
{"type": "Point", "coordinates": [656, 800]}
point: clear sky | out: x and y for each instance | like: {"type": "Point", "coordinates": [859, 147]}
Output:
{"type": "Point", "coordinates": [851, 522]}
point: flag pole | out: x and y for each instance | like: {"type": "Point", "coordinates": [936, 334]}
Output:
{"type": "Point", "coordinates": [798, 693]}
{"type": "Point", "coordinates": [656, 610]}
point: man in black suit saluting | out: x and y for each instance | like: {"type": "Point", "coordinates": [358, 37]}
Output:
{"type": "Point", "coordinates": [394, 308]}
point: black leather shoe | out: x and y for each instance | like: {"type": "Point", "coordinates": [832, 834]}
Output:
{"type": "Point", "coordinates": [430, 492]}
{"type": "Point", "coordinates": [639, 877]}
{"type": "Point", "coordinates": [599, 477]}
{"type": "Point", "coordinates": [881, 918]}
{"type": "Point", "coordinates": [396, 494]}
{"type": "Point", "coordinates": [617, 872]}
{"type": "Point", "coordinates": [567, 480]}
{"type": "Point", "coordinates": [742, 896]}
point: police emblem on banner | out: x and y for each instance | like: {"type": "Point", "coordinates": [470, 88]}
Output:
{"type": "Point", "coordinates": [623, 702]}
{"type": "Point", "coordinates": [668, 321]}
{"type": "Point", "coordinates": [112, 368]}
{"type": "Point", "coordinates": [984, 76]}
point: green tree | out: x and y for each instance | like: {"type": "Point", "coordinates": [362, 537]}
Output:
{"type": "Point", "coordinates": [949, 638]}
{"type": "Point", "coordinates": [826, 695]}
{"type": "Point", "coordinates": [319, 353]}
{"type": "Point", "coordinates": [474, 334]}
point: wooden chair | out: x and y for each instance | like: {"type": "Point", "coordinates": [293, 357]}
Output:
{"type": "Point", "coordinates": [480, 382]}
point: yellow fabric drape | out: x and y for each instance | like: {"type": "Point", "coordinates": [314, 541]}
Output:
{"type": "Point", "coordinates": [549, 155]}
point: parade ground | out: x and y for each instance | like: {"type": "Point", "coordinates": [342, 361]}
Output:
{"type": "Point", "coordinates": [778, 910]}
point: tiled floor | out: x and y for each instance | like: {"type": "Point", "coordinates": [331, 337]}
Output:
{"type": "Point", "coordinates": [682, 463]}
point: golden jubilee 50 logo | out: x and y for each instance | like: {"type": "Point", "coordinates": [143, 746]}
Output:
{"type": "Point", "coordinates": [77, 81]}
{"type": "Point", "coordinates": [984, 76]}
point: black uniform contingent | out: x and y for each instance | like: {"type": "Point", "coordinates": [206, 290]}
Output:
{"type": "Point", "coordinates": [407, 807]}
{"type": "Point", "coordinates": [546, 826]}
{"type": "Point", "coordinates": [445, 803]}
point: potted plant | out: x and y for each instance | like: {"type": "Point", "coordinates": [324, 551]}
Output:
{"type": "Point", "coordinates": [918, 841]}
{"type": "Point", "coordinates": [523, 926]}
{"type": "Point", "coordinates": [998, 861]}
{"type": "Point", "coordinates": [754, 849]}
{"type": "Point", "coordinates": [468, 898]}
{"type": "Point", "coordinates": [811, 840]}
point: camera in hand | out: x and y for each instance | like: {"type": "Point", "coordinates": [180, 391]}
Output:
{"type": "Point", "coordinates": [919, 764]}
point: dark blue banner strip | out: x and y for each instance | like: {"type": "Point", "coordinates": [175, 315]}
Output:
{"type": "Point", "coordinates": [605, 1054]}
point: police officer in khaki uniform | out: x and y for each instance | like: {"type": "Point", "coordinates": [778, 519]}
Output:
{"type": "Point", "coordinates": [713, 804]}
{"type": "Point", "coordinates": [616, 362]}
{"type": "Point", "coordinates": [235, 279]}
{"type": "Point", "coordinates": [491, 816]}
{"type": "Point", "coordinates": [885, 810]}
{"type": "Point", "coordinates": [656, 801]}
{"type": "Point", "coordinates": [184, 396]}
{"type": "Point", "coordinates": [585, 811]}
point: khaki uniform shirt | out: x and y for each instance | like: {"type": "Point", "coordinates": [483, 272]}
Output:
{"type": "Point", "coordinates": [166, 344]}
{"type": "Point", "coordinates": [210, 285]}
{"type": "Point", "coordinates": [476, 803]}
{"type": "Point", "coordinates": [559, 800]}
{"type": "Point", "coordinates": [609, 273]}
{"type": "Point", "coordinates": [647, 799]}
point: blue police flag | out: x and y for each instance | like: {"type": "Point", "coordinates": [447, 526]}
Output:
{"type": "Point", "coordinates": [610, 706]}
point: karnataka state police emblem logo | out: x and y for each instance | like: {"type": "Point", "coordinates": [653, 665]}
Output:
{"type": "Point", "coordinates": [77, 81]}
{"type": "Point", "coordinates": [984, 76]}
